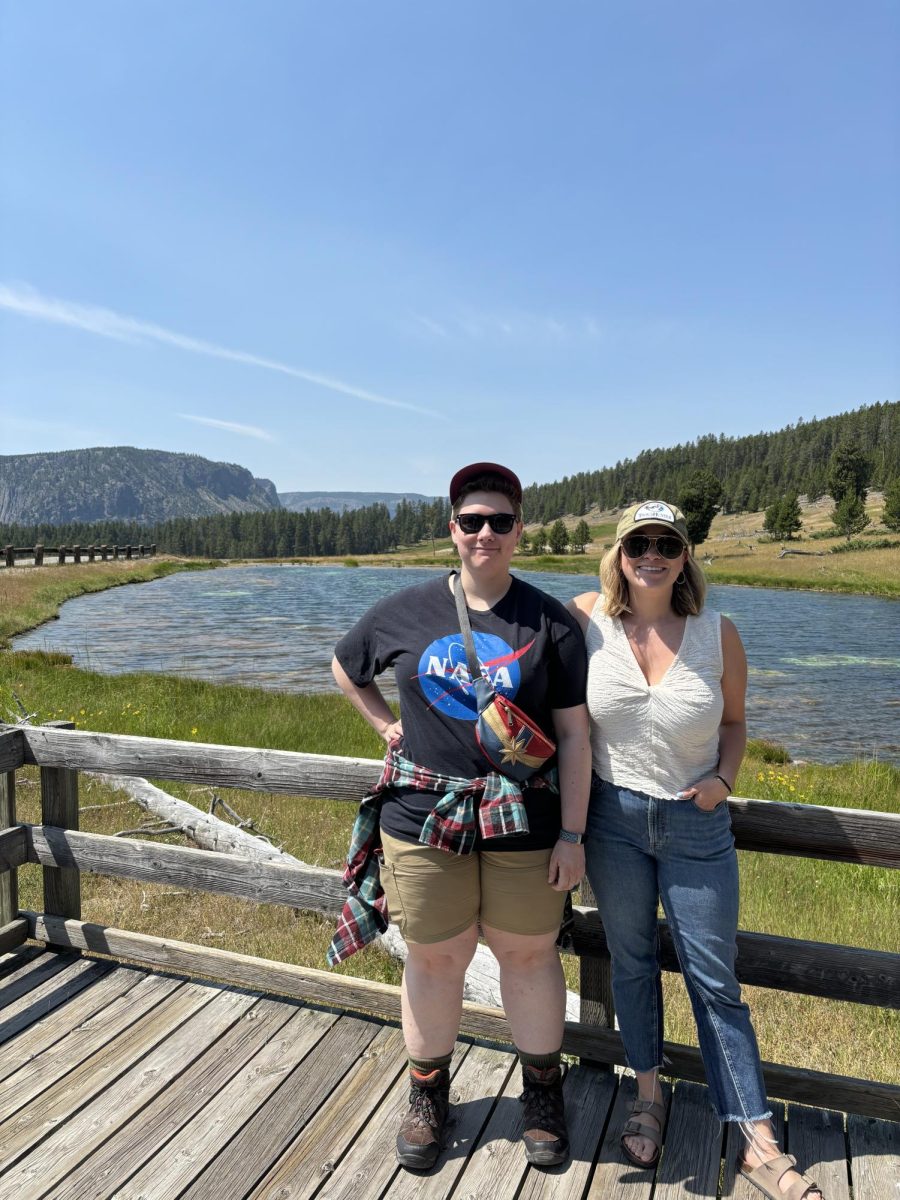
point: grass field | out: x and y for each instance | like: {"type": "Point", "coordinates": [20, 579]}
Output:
{"type": "Point", "coordinates": [793, 897]}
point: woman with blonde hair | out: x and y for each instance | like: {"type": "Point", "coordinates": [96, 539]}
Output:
{"type": "Point", "coordinates": [666, 685]}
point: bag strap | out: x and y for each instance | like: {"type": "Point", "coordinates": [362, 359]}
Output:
{"type": "Point", "coordinates": [465, 628]}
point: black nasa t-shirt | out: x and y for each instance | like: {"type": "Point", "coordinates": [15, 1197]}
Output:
{"type": "Point", "coordinates": [528, 643]}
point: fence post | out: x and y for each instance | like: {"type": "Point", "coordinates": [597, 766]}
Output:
{"type": "Point", "coordinates": [39, 556]}
{"type": "Point", "coordinates": [115, 552]}
{"type": "Point", "coordinates": [61, 555]}
{"type": "Point", "coordinates": [104, 553]}
{"type": "Point", "coordinates": [92, 551]}
{"type": "Point", "coordinates": [153, 549]}
{"type": "Point", "coordinates": [10, 554]}
{"type": "Point", "coordinates": [128, 552]}
{"type": "Point", "coordinates": [595, 984]}
{"type": "Point", "coordinates": [59, 806]}
{"type": "Point", "coordinates": [9, 890]}
{"type": "Point", "coordinates": [76, 554]}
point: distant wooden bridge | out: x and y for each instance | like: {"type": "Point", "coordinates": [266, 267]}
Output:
{"type": "Point", "coordinates": [125, 1072]}
{"type": "Point", "coordinates": [37, 555]}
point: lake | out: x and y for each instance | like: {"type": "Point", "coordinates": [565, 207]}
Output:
{"type": "Point", "coordinates": [824, 668]}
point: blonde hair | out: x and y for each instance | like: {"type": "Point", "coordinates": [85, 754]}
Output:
{"type": "Point", "coordinates": [687, 596]}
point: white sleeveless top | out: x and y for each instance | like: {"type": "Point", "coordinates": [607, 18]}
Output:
{"type": "Point", "coordinates": [659, 738]}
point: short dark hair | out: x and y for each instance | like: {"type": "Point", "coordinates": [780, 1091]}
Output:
{"type": "Point", "coordinates": [489, 483]}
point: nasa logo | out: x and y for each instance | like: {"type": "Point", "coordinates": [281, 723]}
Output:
{"type": "Point", "coordinates": [444, 674]}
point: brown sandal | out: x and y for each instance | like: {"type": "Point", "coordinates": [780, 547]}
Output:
{"type": "Point", "coordinates": [768, 1175]}
{"type": "Point", "coordinates": [638, 1126]}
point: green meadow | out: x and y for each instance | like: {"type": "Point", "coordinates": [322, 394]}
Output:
{"type": "Point", "coordinates": [829, 902]}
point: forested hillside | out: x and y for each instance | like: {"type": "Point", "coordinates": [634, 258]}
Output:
{"type": "Point", "coordinates": [753, 471]}
{"type": "Point", "coordinates": [124, 483]}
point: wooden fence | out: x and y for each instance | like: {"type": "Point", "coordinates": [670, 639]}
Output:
{"type": "Point", "coordinates": [73, 554]}
{"type": "Point", "coordinates": [791, 965]}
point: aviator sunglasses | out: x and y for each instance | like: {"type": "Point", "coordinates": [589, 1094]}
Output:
{"type": "Point", "coordinates": [499, 522]}
{"type": "Point", "coordinates": [666, 544]}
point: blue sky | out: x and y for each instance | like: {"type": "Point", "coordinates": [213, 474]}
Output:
{"type": "Point", "coordinates": [353, 246]}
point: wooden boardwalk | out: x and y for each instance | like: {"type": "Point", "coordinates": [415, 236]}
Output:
{"type": "Point", "coordinates": [120, 1082]}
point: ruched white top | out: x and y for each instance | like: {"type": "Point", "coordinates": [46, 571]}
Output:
{"type": "Point", "coordinates": [655, 738]}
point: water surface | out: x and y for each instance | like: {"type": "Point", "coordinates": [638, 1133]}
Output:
{"type": "Point", "coordinates": [824, 668]}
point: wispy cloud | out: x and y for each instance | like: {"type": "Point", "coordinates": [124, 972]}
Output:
{"type": "Point", "coordinates": [252, 431]}
{"type": "Point", "coordinates": [105, 323]}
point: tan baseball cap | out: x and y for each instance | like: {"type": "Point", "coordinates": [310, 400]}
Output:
{"type": "Point", "coordinates": [652, 512]}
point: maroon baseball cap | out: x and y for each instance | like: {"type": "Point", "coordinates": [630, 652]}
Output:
{"type": "Point", "coordinates": [474, 470]}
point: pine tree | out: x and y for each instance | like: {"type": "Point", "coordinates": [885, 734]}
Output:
{"type": "Point", "coordinates": [850, 515]}
{"type": "Point", "coordinates": [581, 535]}
{"type": "Point", "coordinates": [699, 501]}
{"type": "Point", "coordinates": [891, 515]}
{"type": "Point", "coordinates": [559, 537]}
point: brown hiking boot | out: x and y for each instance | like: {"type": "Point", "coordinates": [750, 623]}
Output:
{"type": "Point", "coordinates": [422, 1129]}
{"type": "Point", "coordinates": [546, 1136]}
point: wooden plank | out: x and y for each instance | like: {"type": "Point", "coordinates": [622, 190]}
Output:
{"type": "Point", "coordinates": [815, 968]}
{"type": "Point", "coordinates": [59, 806]}
{"type": "Point", "coordinates": [280, 771]}
{"type": "Point", "coordinates": [874, 1157]}
{"type": "Point", "coordinates": [195, 1088]}
{"type": "Point", "coordinates": [179, 1161]}
{"type": "Point", "coordinates": [815, 1137]}
{"type": "Point", "coordinates": [54, 1059]}
{"type": "Point", "coordinates": [31, 974]}
{"type": "Point", "coordinates": [789, 1083]}
{"type": "Point", "coordinates": [815, 831]}
{"type": "Point", "coordinates": [497, 1166]}
{"type": "Point", "coordinates": [245, 1160]}
{"type": "Point", "coordinates": [735, 1186]}
{"type": "Point", "coordinates": [13, 934]}
{"type": "Point", "coordinates": [324, 1139]}
{"type": "Point", "coordinates": [693, 1147]}
{"type": "Point", "coordinates": [477, 1082]}
{"type": "Point", "coordinates": [56, 1104]}
{"type": "Point", "coordinates": [369, 1168]}
{"type": "Point", "coordinates": [590, 1094]}
{"type": "Point", "coordinates": [13, 844]}
{"type": "Point", "coordinates": [47, 1081]}
{"type": "Point", "coordinates": [71, 1143]}
{"type": "Point", "coordinates": [9, 850]}
{"type": "Point", "coordinates": [86, 989]}
{"type": "Point", "coordinates": [598, 1045]}
{"type": "Point", "coordinates": [772, 826]}
{"type": "Point", "coordinates": [615, 1178]}
{"type": "Point", "coordinates": [18, 957]}
{"type": "Point", "coordinates": [12, 749]}
{"type": "Point", "coordinates": [186, 867]}
{"type": "Point", "coordinates": [788, 964]}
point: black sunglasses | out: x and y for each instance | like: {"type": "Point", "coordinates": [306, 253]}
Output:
{"type": "Point", "coordinates": [499, 522]}
{"type": "Point", "coordinates": [666, 544]}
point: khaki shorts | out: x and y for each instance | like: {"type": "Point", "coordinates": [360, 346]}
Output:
{"type": "Point", "coordinates": [433, 895]}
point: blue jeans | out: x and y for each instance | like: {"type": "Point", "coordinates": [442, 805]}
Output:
{"type": "Point", "coordinates": [640, 849]}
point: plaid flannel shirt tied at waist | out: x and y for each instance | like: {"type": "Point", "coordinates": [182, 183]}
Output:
{"type": "Point", "coordinates": [449, 826]}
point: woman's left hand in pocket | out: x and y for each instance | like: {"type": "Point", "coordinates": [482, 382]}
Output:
{"type": "Point", "coordinates": [707, 793]}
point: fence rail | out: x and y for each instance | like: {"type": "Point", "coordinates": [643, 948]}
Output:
{"type": "Point", "coordinates": [811, 968]}
{"type": "Point", "coordinates": [75, 554]}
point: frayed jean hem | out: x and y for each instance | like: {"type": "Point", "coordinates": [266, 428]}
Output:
{"type": "Point", "coordinates": [766, 1116]}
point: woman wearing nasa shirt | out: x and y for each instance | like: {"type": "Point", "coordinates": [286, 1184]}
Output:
{"type": "Point", "coordinates": [509, 883]}
{"type": "Point", "coordinates": [666, 686]}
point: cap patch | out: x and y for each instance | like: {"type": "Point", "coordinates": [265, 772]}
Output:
{"type": "Point", "coordinates": [654, 510]}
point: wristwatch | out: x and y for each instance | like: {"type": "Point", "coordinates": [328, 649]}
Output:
{"type": "Point", "coordinates": [566, 835]}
